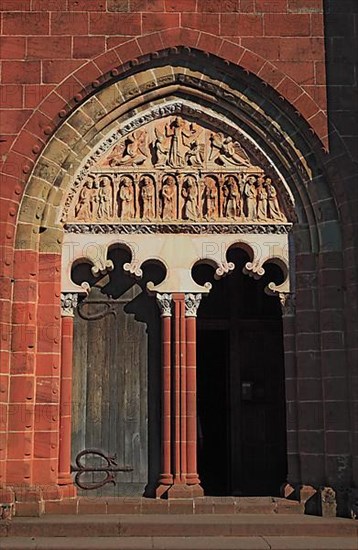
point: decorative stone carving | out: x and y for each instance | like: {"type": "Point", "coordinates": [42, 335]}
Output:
{"type": "Point", "coordinates": [223, 269]}
{"type": "Point", "coordinates": [132, 152]}
{"type": "Point", "coordinates": [210, 210]}
{"type": "Point", "coordinates": [174, 171]}
{"type": "Point", "coordinates": [147, 196]}
{"type": "Point", "coordinates": [226, 152]}
{"type": "Point", "coordinates": [274, 209]}
{"type": "Point", "coordinates": [69, 303]}
{"type": "Point", "coordinates": [194, 228]}
{"type": "Point", "coordinates": [126, 199]}
{"type": "Point", "coordinates": [288, 304]}
{"type": "Point", "coordinates": [164, 302]}
{"type": "Point", "coordinates": [169, 194]}
{"type": "Point", "coordinates": [190, 194]}
{"type": "Point", "coordinates": [254, 269]}
{"type": "Point", "coordinates": [262, 202]}
{"type": "Point", "coordinates": [328, 502]}
{"type": "Point", "coordinates": [232, 198]}
{"type": "Point", "coordinates": [192, 303]}
{"type": "Point", "coordinates": [251, 198]}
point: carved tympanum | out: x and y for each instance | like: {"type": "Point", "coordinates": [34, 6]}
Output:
{"type": "Point", "coordinates": [175, 171]}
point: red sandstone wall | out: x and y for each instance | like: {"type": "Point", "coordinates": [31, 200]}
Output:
{"type": "Point", "coordinates": [48, 58]}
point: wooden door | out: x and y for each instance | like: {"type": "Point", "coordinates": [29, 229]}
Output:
{"type": "Point", "coordinates": [116, 367]}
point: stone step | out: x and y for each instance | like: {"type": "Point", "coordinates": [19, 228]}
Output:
{"type": "Point", "coordinates": [180, 543]}
{"type": "Point", "coordinates": [208, 525]}
{"type": "Point", "coordinates": [141, 505]}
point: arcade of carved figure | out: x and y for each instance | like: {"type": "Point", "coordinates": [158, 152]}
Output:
{"type": "Point", "coordinates": [168, 199]}
{"type": "Point", "coordinates": [147, 193]}
{"type": "Point", "coordinates": [83, 206]}
{"type": "Point", "coordinates": [262, 202]}
{"type": "Point", "coordinates": [126, 198]}
{"type": "Point", "coordinates": [105, 198]}
{"type": "Point", "coordinates": [95, 199]}
{"type": "Point", "coordinates": [232, 198]}
{"type": "Point", "coordinates": [190, 194]}
{"type": "Point", "coordinates": [251, 198]}
{"type": "Point", "coordinates": [210, 200]}
{"type": "Point", "coordinates": [275, 212]}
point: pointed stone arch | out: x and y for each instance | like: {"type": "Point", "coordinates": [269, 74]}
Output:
{"type": "Point", "coordinates": [168, 76]}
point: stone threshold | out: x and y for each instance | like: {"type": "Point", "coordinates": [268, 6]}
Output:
{"type": "Point", "coordinates": [141, 505]}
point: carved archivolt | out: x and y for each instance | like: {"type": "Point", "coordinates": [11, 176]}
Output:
{"type": "Point", "coordinates": [173, 170]}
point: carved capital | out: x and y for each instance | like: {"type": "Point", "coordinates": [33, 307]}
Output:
{"type": "Point", "coordinates": [69, 303]}
{"type": "Point", "coordinates": [164, 302]}
{"type": "Point", "coordinates": [192, 303]}
{"type": "Point", "coordinates": [288, 303]}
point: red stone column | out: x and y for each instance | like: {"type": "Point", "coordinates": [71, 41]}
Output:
{"type": "Point", "coordinates": [166, 478]}
{"type": "Point", "coordinates": [68, 303]}
{"type": "Point", "coordinates": [179, 476]}
{"type": "Point", "coordinates": [192, 302]}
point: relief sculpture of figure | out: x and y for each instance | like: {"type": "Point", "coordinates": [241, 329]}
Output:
{"type": "Point", "coordinates": [226, 152]}
{"type": "Point", "coordinates": [168, 199]}
{"type": "Point", "coordinates": [262, 202]}
{"type": "Point", "coordinates": [173, 130]}
{"type": "Point", "coordinates": [105, 198]}
{"type": "Point", "coordinates": [194, 156]}
{"type": "Point", "coordinates": [147, 194]}
{"type": "Point", "coordinates": [232, 198]}
{"type": "Point", "coordinates": [251, 198]}
{"type": "Point", "coordinates": [210, 199]}
{"type": "Point", "coordinates": [190, 193]}
{"type": "Point", "coordinates": [134, 152]}
{"type": "Point", "coordinates": [160, 150]}
{"type": "Point", "coordinates": [95, 199]}
{"type": "Point", "coordinates": [274, 209]}
{"type": "Point", "coordinates": [126, 196]}
{"type": "Point", "coordinates": [83, 207]}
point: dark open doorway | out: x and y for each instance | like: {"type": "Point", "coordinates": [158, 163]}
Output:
{"type": "Point", "coordinates": [241, 395]}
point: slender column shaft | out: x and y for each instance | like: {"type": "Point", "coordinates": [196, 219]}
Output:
{"type": "Point", "coordinates": [64, 464]}
{"type": "Point", "coordinates": [179, 396]}
{"type": "Point", "coordinates": [191, 408]}
{"type": "Point", "coordinates": [166, 477]}
{"type": "Point", "coordinates": [164, 302]}
{"type": "Point", "coordinates": [177, 361]}
{"type": "Point", "coordinates": [192, 302]}
{"type": "Point", "coordinates": [183, 426]}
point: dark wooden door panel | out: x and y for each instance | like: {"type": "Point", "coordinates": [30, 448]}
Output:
{"type": "Point", "coordinates": [110, 407]}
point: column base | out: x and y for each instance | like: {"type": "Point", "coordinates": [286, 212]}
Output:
{"type": "Point", "coordinates": [65, 479]}
{"type": "Point", "coordinates": [179, 490]}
